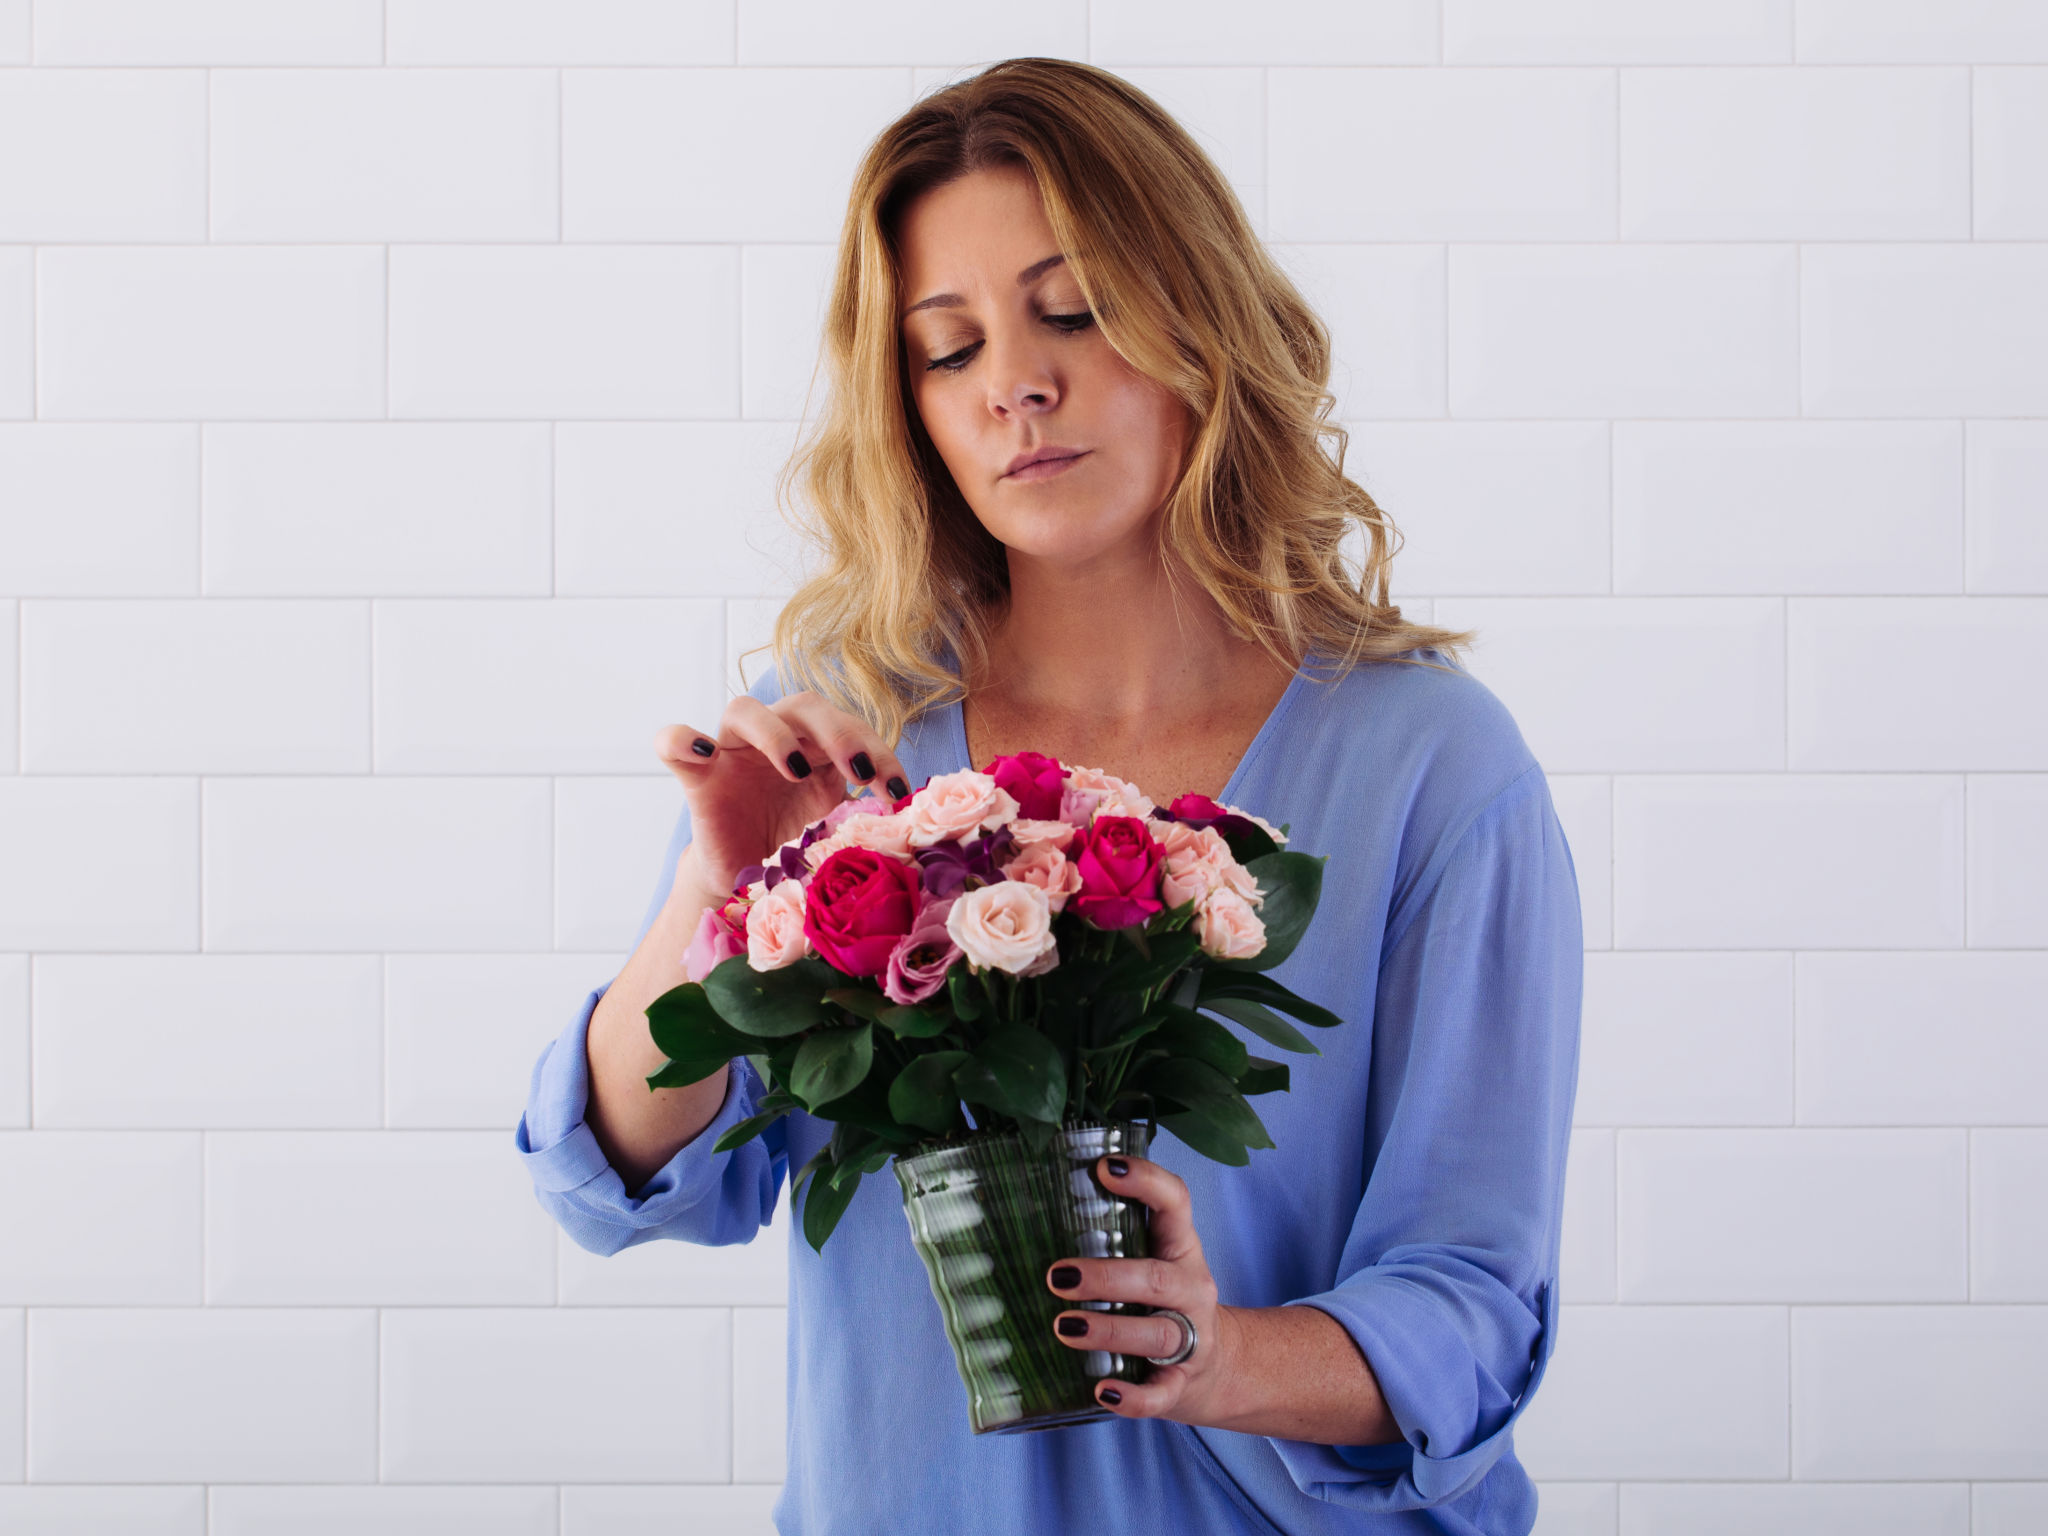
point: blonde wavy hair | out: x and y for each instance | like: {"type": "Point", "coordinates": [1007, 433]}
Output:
{"type": "Point", "coordinates": [1186, 293]}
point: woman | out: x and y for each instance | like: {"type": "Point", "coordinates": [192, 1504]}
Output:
{"type": "Point", "coordinates": [1073, 489]}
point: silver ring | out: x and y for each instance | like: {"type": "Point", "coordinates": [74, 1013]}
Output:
{"type": "Point", "coordinates": [1187, 1344]}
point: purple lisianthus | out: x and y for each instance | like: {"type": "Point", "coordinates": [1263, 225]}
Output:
{"type": "Point", "coordinates": [917, 967]}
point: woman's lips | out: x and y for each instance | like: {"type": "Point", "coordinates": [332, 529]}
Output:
{"type": "Point", "coordinates": [1045, 469]}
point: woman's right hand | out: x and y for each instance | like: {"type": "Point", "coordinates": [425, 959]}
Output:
{"type": "Point", "coordinates": [748, 796]}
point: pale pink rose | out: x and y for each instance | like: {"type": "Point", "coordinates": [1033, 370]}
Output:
{"type": "Point", "coordinates": [883, 833]}
{"type": "Point", "coordinates": [1227, 928]}
{"type": "Point", "coordinates": [1117, 797]}
{"type": "Point", "coordinates": [1199, 861]}
{"type": "Point", "coordinates": [775, 928]}
{"type": "Point", "coordinates": [1043, 865]}
{"type": "Point", "coordinates": [866, 803]}
{"type": "Point", "coordinates": [1007, 926]}
{"type": "Point", "coordinates": [1077, 806]}
{"type": "Point", "coordinates": [1027, 832]}
{"type": "Point", "coordinates": [958, 807]}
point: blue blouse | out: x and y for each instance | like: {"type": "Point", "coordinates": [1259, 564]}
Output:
{"type": "Point", "coordinates": [1415, 1194]}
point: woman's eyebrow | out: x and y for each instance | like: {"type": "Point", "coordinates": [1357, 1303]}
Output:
{"type": "Point", "coordinates": [1032, 273]}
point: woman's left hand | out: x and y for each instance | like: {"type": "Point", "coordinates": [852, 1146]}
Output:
{"type": "Point", "coordinates": [1175, 1276]}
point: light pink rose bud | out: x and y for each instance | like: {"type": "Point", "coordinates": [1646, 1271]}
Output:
{"type": "Point", "coordinates": [1227, 928]}
{"type": "Point", "coordinates": [957, 807]}
{"type": "Point", "coordinates": [1043, 865]}
{"type": "Point", "coordinates": [1006, 926]}
{"type": "Point", "coordinates": [775, 928]}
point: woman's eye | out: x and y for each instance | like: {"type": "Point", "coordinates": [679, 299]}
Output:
{"type": "Point", "coordinates": [953, 362]}
{"type": "Point", "coordinates": [1074, 322]}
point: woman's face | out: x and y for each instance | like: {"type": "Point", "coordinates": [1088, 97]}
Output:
{"type": "Point", "coordinates": [1006, 362]}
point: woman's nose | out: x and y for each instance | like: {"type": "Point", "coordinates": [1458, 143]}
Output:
{"type": "Point", "coordinates": [1020, 384]}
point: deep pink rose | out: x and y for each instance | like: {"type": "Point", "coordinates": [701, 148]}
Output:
{"type": "Point", "coordinates": [1120, 865]}
{"type": "Point", "coordinates": [1033, 780]}
{"type": "Point", "coordinates": [857, 907]}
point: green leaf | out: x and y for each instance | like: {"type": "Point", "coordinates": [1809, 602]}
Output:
{"type": "Point", "coordinates": [969, 1000]}
{"type": "Point", "coordinates": [825, 1201]}
{"type": "Point", "coordinates": [861, 1002]}
{"type": "Point", "coordinates": [690, 1033]}
{"type": "Point", "coordinates": [908, 1021]}
{"type": "Point", "coordinates": [771, 1004]}
{"type": "Point", "coordinates": [1194, 1127]}
{"type": "Point", "coordinates": [1264, 1023]}
{"type": "Point", "coordinates": [1292, 884]}
{"type": "Point", "coordinates": [831, 1062]}
{"type": "Point", "coordinates": [1016, 1072]}
{"type": "Point", "coordinates": [1187, 1033]}
{"type": "Point", "coordinates": [1219, 981]}
{"type": "Point", "coordinates": [1262, 1076]}
{"type": "Point", "coordinates": [924, 1095]}
{"type": "Point", "coordinates": [748, 1129]}
{"type": "Point", "coordinates": [1165, 954]}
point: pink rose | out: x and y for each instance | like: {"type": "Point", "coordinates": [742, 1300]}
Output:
{"type": "Point", "coordinates": [858, 907]}
{"type": "Point", "coordinates": [1227, 928]}
{"type": "Point", "coordinates": [1120, 867]}
{"type": "Point", "coordinates": [721, 934]}
{"type": "Point", "coordinates": [1043, 865]}
{"type": "Point", "coordinates": [1034, 781]}
{"type": "Point", "coordinates": [919, 963]}
{"type": "Point", "coordinates": [775, 927]}
{"type": "Point", "coordinates": [957, 807]}
{"type": "Point", "coordinates": [1006, 927]}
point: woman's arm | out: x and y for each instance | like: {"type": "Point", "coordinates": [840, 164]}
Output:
{"type": "Point", "coordinates": [1297, 1374]}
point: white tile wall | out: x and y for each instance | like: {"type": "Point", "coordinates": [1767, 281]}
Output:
{"type": "Point", "coordinates": [391, 397]}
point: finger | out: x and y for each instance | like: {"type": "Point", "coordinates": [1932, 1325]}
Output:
{"type": "Point", "coordinates": [1154, 1282]}
{"type": "Point", "coordinates": [684, 750]}
{"type": "Point", "coordinates": [1172, 1224]}
{"type": "Point", "coordinates": [749, 721]}
{"type": "Point", "coordinates": [1158, 1394]}
{"type": "Point", "coordinates": [1146, 1336]}
{"type": "Point", "coordinates": [860, 755]}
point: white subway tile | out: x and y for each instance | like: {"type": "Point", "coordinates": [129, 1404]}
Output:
{"type": "Point", "coordinates": [738, 1509]}
{"type": "Point", "coordinates": [377, 508]}
{"type": "Point", "coordinates": [377, 863]}
{"type": "Point", "coordinates": [173, 1041]}
{"type": "Point", "coordinates": [1787, 506]}
{"type": "Point", "coordinates": [1969, 1372]}
{"type": "Point", "coordinates": [2009, 185]}
{"type": "Point", "coordinates": [462, 1032]}
{"type": "Point", "coordinates": [17, 331]}
{"type": "Point", "coordinates": [1224, 110]}
{"type": "Point", "coordinates": [1607, 1408]}
{"type": "Point", "coordinates": [1795, 154]}
{"type": "Point", "coordinates": [265, 332]}
{"type": "Point", "coordinates": [1921, 31]}
{"type": "Point", "coordinates": [339, 1218]}
{"type": "Point", "coordinates": [2008, 1217]}
{"type": "Point", "coordinates": [207, 32]}
{"type": "Point", "coordinates": [253, 1510]}
{"type": "Point", "coordinates": [16, 31]}
{"type": "Point", "coordinates": [760, 1367]}
{"type": "Point", "coordinates": [1576, 1509]}
{"type": "Point", "coordinates": [605, 831]}
{"type": "Point", "coordinates": [1922, 1039]}
{"type": "Point", "coordinates": [651, 155]}
{"type": "Point", "coordinates": [84, 1510]}
{"type": "Point", "coordinates": [2007, 480]}
{"type": "Point", "coordinates": [1874, 684]}
{"type": "Point", "coordinates": [192, 1394]}
{"type": "Point", "coordinates": [385, 155]}
{"type": "Point", "coordinates": [1686, 1039]}
{"type": "Point", "coordinates": [183, 685]}
{"type": "Point", "coordinates": [1805, 861]}
{"type": "Point", "coordinates": [1384, 307]}
{"type": "Point", "coordinates": [1616, 32]}
{"type": "Point", "coordinates": [904, 31]}
{"type": "Point", "coordinates": [1624, 330]}
{"type": "Point", "coordinates": [1491, 507]}
{"type": "Point", "coordinates": [491, 1394]}
{"type": "Point", "coordinates": [1795, 1509]}
{"type": "Point", "coordinates": [2009, 860]}
{"type": "Point", "coordinates": [93, 154]}
{"type": "Point", "coordinates": [99, 1217]}
{"type": "Point", "coordinates": [1442, 154]}
{"type": "Point", "coordinates": [564, 331]}
{"type": "Point", "coordinates": [1586, 1253]}
{"type": "Point", "coordinates": [1923, 329]}
{"type": "Point", "coordinates": [782, 317]}
{"type": "Point", "coordinates": [99, 863]}
{"type": "Point", "coordinates": [10, 687]}
{"type": "Point", "coordinates": [13, 1396]}
{"type": "Point", "coordinates": [1283, 32]}
{"type": "Point", "coordinates": [2009, 1509]}
{"type": "Point", "coordinates": [516, 685]}
{"type": "Point", "coordinates": [1793, 1215]}
{"type": "Point", "coordinates": [671, 509]}
{"type": "Point", "coordinates": [682, 1274]}
{"type": "Point", "coordinates": [1702, 677]}
{"type": "Point", "coordinates": [639, 32]}
{"type": "Point", "coordinates": [1585, 809]}
{"type": "Point", "coordinates": [14, 1038]}
{"type": "Point", "coordinates": [99, 511]}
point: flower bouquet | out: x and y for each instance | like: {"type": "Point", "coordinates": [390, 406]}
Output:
{"type": "Point", "coordinates": [993, 981]}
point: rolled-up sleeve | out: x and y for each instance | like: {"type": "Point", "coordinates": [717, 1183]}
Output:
{"type": "Point", "coordinates": [1448, 1279]}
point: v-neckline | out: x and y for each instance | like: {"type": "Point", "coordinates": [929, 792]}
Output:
{"type": "Point", "coordinates": [1268, 728]}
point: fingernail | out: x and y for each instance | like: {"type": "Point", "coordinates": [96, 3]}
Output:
{"type": "Point", "coordinates": [1065, 1277]}
{"type": "Point", "coordinates": [702, 747]}
{"type": "Point", "coordinates": [863, 768]}
{"type": "Point", "coordinates": [1118, 1167]}
{"type": "Point", "coordinates": [1072, 1327]}
{"type": "Point", "coordinates": [1111, 1395]}
{"type": "Point", "coordinates": [897, 788]}
{"type": "Point", "coordinates": [798, 766]}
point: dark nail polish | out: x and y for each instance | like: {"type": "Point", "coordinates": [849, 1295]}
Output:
{"type": "Point", "coordinates": [863, 767]}
{"type": "Point", "coordinates": [1072, 1327]}
{"type": "Point", "coordinates": [1118, 1167]}
{"type": "Point", "coordinates": [798, 766]}
{"type": "Point", "coordinates": [897, 788]}
{"type": "Point", "coordinates": [1111, 1395]}
{"type": "Point", "coordinates": [702, 747]}
{"type": "Point", "coordinates": [1065, 1277]}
